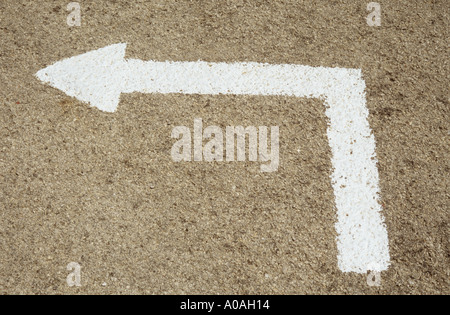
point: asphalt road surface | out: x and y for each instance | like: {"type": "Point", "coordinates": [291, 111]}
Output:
{"type": "Point", "coordinates": [100, 188]}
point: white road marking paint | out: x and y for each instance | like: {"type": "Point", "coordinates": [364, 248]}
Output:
{"type": "Point", "coordinates": [99, 77]}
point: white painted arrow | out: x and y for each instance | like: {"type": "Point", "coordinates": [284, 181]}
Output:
{"type": "Point", "coordinates": [99, 77]}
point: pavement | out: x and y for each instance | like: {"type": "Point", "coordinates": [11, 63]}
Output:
{"type": "Point", "coordinates": [100, 189]}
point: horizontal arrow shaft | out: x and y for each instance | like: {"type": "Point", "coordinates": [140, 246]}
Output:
{"type": "Point", "coordinates": [231, 78]}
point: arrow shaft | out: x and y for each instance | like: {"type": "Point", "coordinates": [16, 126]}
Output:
{"type": "Point", "coordinates": [223, 78]}
{"type": "Point", "coordinates": [362, 237]}
{"type": "Point", "coordinates": [99, 77]}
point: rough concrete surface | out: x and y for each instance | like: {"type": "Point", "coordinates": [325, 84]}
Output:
{"type": "Point", "coordinates": [101, 189]}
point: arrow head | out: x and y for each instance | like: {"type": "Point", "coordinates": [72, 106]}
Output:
{"type": "Point", "coordinates": [94, 77]}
